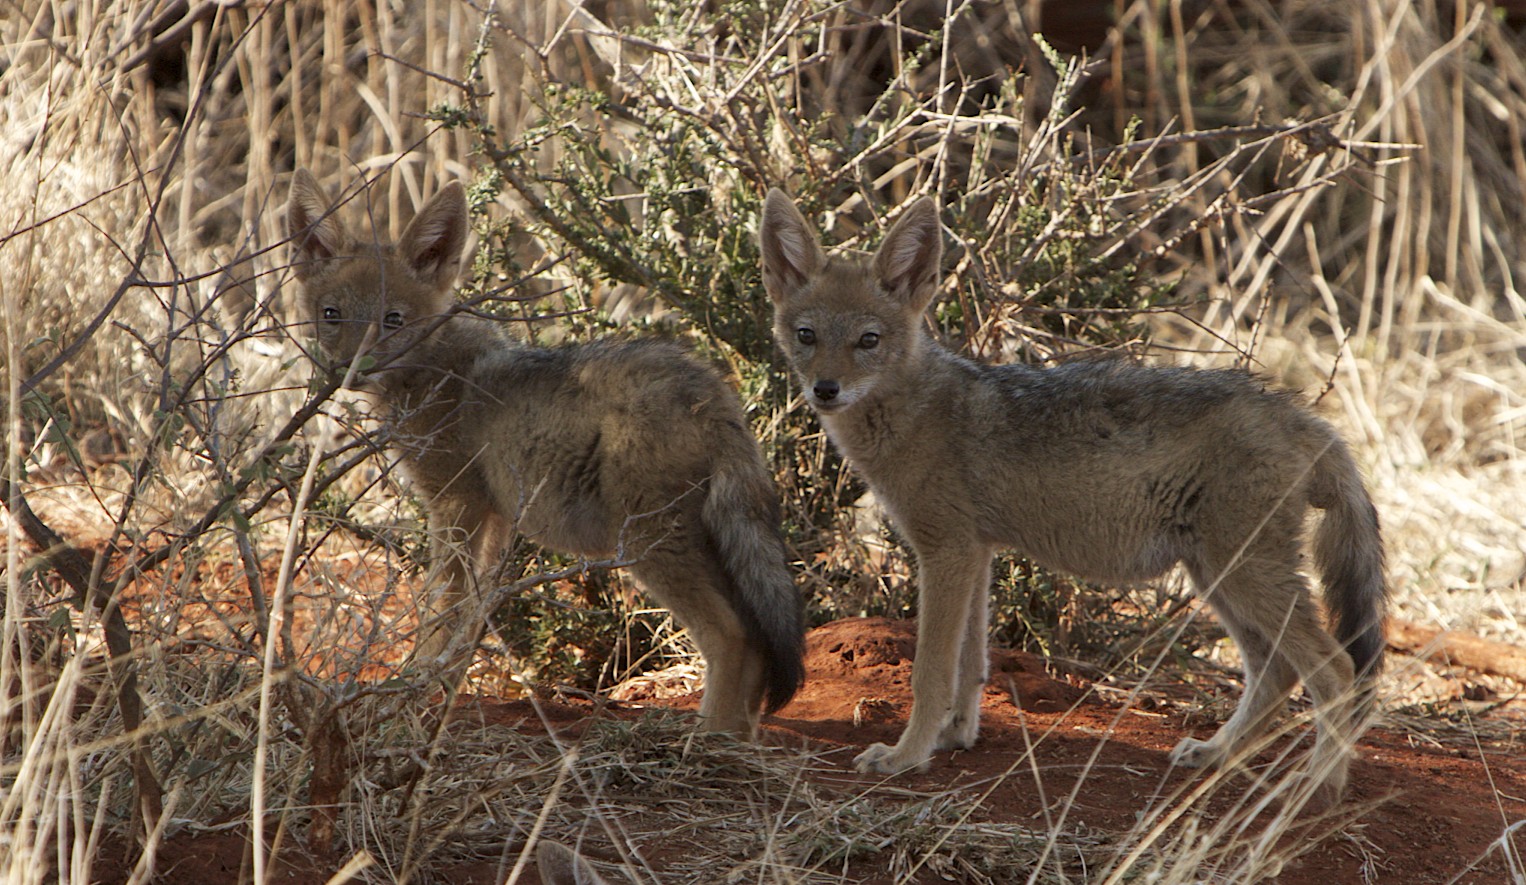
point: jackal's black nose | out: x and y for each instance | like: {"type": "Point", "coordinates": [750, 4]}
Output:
{"type": "Point", "coordinates": [827, 391]}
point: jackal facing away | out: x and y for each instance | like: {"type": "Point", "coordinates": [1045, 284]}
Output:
{"type": "Point", "coordinates": [1106, 470]}
{"type": "Point", "coordinates": [634, 447]}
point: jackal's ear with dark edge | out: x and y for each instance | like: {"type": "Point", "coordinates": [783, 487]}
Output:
{"type": "Point", "coordinates": [909, 261]}
{"type": "Point", "coordinates": [315, 231]}
{"type": "Point", "coordinates": [434, 240]}
{"type": "Point", "coordinates": [791, 255]}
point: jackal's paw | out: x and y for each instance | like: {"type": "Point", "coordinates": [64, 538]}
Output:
{"type": "Point", "coordinates": [1303, 792]}
{"type": "Point", "coordinates": [1327, 794]}
{"type": "Point", "coordinates": [960, 734]}
{"type": "Point", "coordinates": [883, 759]}
{"type": "Point", "coordinates": [1193, 753]}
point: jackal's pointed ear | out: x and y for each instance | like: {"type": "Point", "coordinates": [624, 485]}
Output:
{"type": "Point", "coordinates": [315, 231]}
{"type": "Point", "coordinates": [909, 261]}
{"type": "Point", "coordinates": [434, 240]}
{"type": "Point", "coordinates": [791, 255]}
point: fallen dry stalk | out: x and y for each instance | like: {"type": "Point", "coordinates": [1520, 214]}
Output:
{"type": "Point", "coordinates": [1459, 649]}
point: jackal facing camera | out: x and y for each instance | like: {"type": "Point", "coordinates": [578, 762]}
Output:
{"type": "Point", "coordinates": [635, 448]}
{"type": "Point", "coordinates": [1106, 470]}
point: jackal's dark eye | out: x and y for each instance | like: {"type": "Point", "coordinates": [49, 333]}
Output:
{"type": "Point", "coordinates": [869, 340]}
{"type": "Point", "coordinates": [805, 336]}
{"type": "Point", "coordinates": [393, 319]}
{"type": "Point", "coordinates": [331, 314]}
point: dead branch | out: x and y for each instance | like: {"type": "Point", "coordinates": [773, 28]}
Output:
{"type": "Point", "coordinates": [1458, 649]}
{"type": "Point", "coordinates": [83, 577]}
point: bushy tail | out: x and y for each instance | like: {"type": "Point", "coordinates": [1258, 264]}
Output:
{"type": "Point", "coordinates": [1348, 550]}
{"type": "Point", "coordinates": [742, 514]}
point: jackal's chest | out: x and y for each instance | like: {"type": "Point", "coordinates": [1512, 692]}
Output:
{"type": "Point", "coordinates": [872, 435]}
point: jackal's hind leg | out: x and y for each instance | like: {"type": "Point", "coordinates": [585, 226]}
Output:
{"type": "Point", "coordinates": [1268, 612]}
{"type": "Point", "coordinates": [692, 586]}
{"type": "Point", "coordinates": [1268, 681]}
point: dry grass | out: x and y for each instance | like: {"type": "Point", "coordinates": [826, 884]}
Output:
{"type": "Point", "coordinates": [1355, 232]}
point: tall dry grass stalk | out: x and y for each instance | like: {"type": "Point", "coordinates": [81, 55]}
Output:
{"type": "Point", "coordinates": [1329, 192]}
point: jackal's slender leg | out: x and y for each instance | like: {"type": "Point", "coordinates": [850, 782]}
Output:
{"type": "Point", "coordinates": [691, 584]}
{"type": "Point", "coordinates": [1265, 606]}
{"type": "Point", "coordinates": [974, 669]}
{"type": "Point", "coordinates": [465, 535]}
{"type": "Point", "coordinates": [1269, 678]}
{"type": "Point", "coordinates": [952, 580]}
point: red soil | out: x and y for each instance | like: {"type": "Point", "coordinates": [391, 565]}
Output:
{"type": "Point", "coordinates": [1427, 811]}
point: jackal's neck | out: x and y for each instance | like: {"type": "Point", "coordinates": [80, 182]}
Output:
{"type": "Point", "coordinates": [434, 376]}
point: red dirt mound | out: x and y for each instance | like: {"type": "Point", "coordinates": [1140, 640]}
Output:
{"type": "Point", "coordinates": [860, 666]}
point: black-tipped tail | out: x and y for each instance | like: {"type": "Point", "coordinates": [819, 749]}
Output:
{"type": "Point", "coordinates": [1348, 549]}
{"type": "Point", "coordinates": [742, 513]}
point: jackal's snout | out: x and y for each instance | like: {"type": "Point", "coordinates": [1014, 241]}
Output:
{"type": "Point", "coordinates": [365, 345]}
{"type": "Point", "coordinates": [835, 392]}
{"type": "Point", "coordinates": [826, 392]}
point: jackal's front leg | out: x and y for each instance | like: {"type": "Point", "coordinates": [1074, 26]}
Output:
{"type": "Point", "coordinates": [953, 582]}
{"type": "Point", "coordinates": [464, 540]}
{"type": "Point", "coordinates": [963, 724]}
